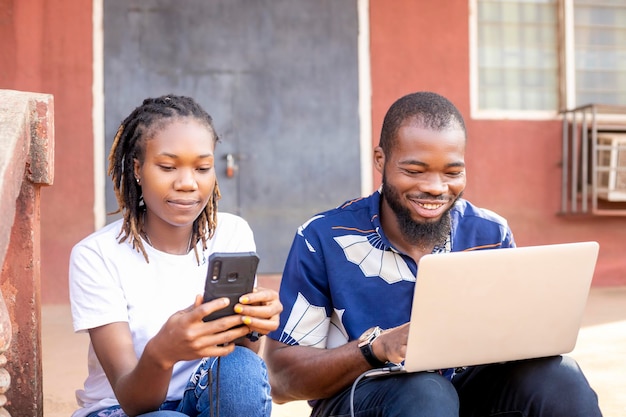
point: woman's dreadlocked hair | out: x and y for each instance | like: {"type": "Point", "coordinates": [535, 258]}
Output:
{"type": "Point", "coordinates": [129, 143]}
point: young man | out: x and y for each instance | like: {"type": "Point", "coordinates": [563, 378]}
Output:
{"type": "Point", "coordinates": [348, 283]}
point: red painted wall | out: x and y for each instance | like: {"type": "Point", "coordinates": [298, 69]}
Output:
{"type": "Point", "coordinates": [46, 47]}
{"type": "Point", "coordinates": [513, 166]}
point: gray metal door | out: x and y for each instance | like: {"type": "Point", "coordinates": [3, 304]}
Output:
{"type": "Point", "coordinates": [279, 78]}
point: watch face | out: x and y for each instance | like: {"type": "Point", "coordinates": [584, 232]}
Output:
{"type": "Point", "coordinates": [369, 334]}
{"type": "Point", "coordinates": [366, 334]}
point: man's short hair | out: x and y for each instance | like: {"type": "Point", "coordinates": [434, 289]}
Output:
{"type": "Point", "coordinates": [425, 109]}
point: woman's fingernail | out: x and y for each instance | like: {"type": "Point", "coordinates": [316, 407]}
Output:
{"type": "Point", "coordinates": [238, 309]}
{"type": "Point", "coordinates": [246, 320]}
{"type": "Point", "coordinates": [244, 300]}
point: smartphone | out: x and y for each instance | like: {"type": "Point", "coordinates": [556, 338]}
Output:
{"type": "Point", "coordinates": [230, 274]}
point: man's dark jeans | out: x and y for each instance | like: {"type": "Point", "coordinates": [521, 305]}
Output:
{"type": "Point", "coordinates": [547, 387]}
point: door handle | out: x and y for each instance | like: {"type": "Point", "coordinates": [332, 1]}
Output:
{"type": "Point", "coordinates": [231, 166]}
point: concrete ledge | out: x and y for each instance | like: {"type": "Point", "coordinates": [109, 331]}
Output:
{"type": "Point", "coordinates": [26, 163]}
{"type": "Point", "coordinates": [26, 142]}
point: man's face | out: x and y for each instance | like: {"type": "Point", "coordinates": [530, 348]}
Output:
{"type": "Point", "coordinates": [423, 176]}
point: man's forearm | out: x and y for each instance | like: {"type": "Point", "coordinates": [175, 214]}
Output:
{"type": "Point", "coordinates": [307, 373]}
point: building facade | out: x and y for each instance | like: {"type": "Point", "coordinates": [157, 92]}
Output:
{"type": "Point", "coordinates": [510, 67]}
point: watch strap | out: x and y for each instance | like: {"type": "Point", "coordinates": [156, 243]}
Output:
{"type": "Point", "coordinates": [368, 353]}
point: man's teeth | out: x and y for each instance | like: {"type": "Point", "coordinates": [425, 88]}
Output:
{"type": "Point", "coordinates": [431, 206]}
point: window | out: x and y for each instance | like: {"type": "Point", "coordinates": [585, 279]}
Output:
{"type": "Point", "coordinates": [539, 56]}
{"type": "Point", "coordinates": [600, 51]}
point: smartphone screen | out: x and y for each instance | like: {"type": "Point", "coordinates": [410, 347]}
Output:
{"type": "Point", "coordinates": [230, 274]}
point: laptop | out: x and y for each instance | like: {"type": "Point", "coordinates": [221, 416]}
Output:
{"type": "Point", "coordinates": [489, 306]}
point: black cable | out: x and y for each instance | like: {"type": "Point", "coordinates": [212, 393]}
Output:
{"type": "Point", "coordinates": [211, 391]}
{"type": "Point", "coordinates": [214, 412]}
{"type": "Point", "coordinates": [217, 388]}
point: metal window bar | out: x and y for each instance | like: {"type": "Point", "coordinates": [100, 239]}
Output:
{"type": "Point", "coordinates": [580, 151]}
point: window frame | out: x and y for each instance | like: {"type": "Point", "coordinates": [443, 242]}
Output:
{"type": "Point", "coordinates": [566, 70]}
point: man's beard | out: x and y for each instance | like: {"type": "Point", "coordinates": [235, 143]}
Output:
{"type": "Point", "coordinates": [422, 234]}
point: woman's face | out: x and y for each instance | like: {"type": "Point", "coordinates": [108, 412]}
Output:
{"type": "Point", "coordinates": [177, 175]}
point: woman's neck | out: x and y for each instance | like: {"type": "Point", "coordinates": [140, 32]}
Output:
{"type": "Point", "coordinates": [172, 239]}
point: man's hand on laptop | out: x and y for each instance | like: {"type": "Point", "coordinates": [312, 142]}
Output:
{"type": "Point", "coordinates": [390, 346]}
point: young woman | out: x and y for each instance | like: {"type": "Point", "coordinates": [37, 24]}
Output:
{"type": "Point", "coordinates": [136, 284]}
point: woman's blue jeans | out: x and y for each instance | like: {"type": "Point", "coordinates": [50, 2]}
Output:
{"type": "Point", "coordinates": [240, 378]}
{"type": "Point", "coordinates": [547, 387]}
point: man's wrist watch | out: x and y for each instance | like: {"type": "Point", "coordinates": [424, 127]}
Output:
{"type": "Point", "coordinates": [365, 345]}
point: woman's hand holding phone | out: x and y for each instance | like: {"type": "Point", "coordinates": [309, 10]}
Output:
{"type": "Point", "coordinates": [185, 336]}
{"type": "Point", "coordinates": [260, 310]}
{"type": "Point", "coordinates": [232, 275]}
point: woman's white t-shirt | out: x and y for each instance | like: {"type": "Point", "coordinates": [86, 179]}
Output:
{"type": "Point", "coordinates": [112, 282]}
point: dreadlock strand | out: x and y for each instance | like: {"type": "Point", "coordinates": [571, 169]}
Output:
{"type": "Point", "coordinates": [135, 228]}
{"type": "Point", "coordinates": [213, 219]}
{"type": "Point", "coordinates": [116, 141]}
{"type": "Point", "coordinates": [113, 170]}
